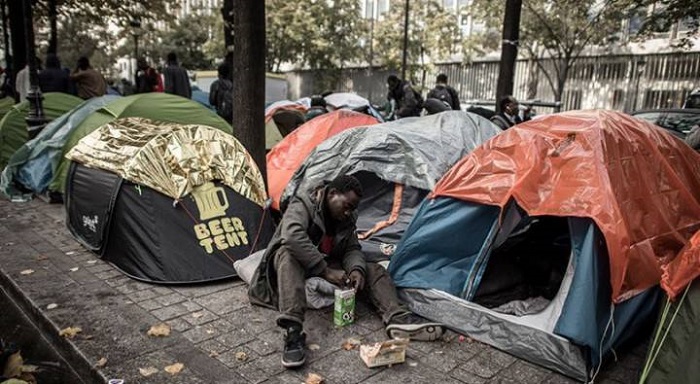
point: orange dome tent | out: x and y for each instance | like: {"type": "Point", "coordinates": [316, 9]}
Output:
{"type": "Point", "coordinates": [284, 159]}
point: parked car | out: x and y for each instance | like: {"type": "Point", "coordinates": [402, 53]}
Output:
{"type": "Point", "coordinates": [677, 121]}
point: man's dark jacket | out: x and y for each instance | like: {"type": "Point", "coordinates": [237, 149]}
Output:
{"type": "Point", "coordinates": [300, 232]}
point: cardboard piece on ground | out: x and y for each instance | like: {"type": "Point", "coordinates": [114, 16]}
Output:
{"type": "Point", "coordinates": [384, 353]}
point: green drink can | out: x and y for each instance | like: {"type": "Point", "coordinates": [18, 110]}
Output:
{"type": "Point", "coordinates": [344, 309]}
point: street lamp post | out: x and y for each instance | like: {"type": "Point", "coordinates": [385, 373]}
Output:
{"type": "Point", "coordinates": [405, 41]}
{"type": "Point", "coordinates": [135, 32]}
{"type": "Point", "coordinates": [35, 118]}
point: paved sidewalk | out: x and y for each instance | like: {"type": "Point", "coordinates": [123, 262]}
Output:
{"type": "Point", "coordinates": [216, 334]}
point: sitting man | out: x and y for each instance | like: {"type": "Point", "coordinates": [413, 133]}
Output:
{"type": "Point", "coordinates": [317, 238]}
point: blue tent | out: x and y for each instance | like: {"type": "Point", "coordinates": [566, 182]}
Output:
{"type": "Point", "coordinates": [34, 164]}
{"type": "Point", "coordinates": [546, 240]}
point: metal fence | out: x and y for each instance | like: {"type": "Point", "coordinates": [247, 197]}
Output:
{"type": "Point", "coordinates": [622, 82]}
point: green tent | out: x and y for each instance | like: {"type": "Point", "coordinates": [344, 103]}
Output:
{"type": "Point", "coordinates": [154, 106]}
{"type": "Point", "coordinates": [675, 351]}
{"type": "Point", "coordinates": [13, 126]}
{"type": "Point", "coordinates": [6, 104]}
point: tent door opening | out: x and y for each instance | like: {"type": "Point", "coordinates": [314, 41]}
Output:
{"type": "Point", "coordinates": [524, 272]}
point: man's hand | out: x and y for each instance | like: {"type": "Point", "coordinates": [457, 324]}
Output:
{"type": "Point", "coordinates": [357, 281]}
{"type": "Point", "coordinates": [335, 276]}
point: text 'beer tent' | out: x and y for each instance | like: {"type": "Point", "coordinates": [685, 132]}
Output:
{"type": "Point", "coordinates": [398, 163]}
{"type": "Point", "coordinates": [13, 126]}
{"type": "Point", "coordinates": [40, 164]}
{"type": "Point", "coordinates": [547, 241]}
{"type": "Point", "coordinates": [166, 202]}
{"type": "Point", "coordinates": [289, 153]}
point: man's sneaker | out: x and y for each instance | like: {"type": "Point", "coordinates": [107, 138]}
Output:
{"type": "Point", "coordinates": [294, 354]}
{"type": "Point", "coordinates": [414, 327]}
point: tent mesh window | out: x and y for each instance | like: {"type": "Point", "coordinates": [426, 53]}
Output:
{"type": "Point", "coordinates": [529, 266]}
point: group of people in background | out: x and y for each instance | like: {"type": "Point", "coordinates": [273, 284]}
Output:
{"type": "Point", "coordinates": [86, 82]}
{"type": "Point", "coordinates": [406, 101]}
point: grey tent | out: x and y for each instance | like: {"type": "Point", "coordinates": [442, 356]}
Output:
{"type": "Point", "coordinates": [398, 163]}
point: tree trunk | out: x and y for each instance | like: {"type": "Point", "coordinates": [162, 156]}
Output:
{"type": "Point", "coordinates": [249, 78]}
{"type": "Point", "coordinates": [561, 80]}
{"type": "Point", "coordinates": [509, 50]}
{"type": "Point", "coordinates": [53, 37]}
{"type": "Point", "coordinates": [17, 33]}
{"type": "Point", "coordinates": [227, 15]}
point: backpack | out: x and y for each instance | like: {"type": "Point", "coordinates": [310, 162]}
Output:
{"type": "Point", "coordinates": [224, 100]}
{"type": "Point", "coordinates": [442, 94]}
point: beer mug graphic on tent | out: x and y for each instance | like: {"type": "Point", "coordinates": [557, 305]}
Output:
{"type": "Point", "coordinates": [211, 200]}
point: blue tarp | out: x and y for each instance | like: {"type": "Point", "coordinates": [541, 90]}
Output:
{"type": "Point", "coordinates": [33, 165]}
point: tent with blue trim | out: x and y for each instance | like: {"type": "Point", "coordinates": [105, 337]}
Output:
{"type": "Point", "coordinates": [547, 241]}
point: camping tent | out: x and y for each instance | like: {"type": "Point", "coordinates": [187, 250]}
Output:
{"type": "Point", "coordinates": [546, 241]}
{"type": "Point", "coordinates": [287, 155]}
{"type": "Point", "coordinates": [6, 104]}
{"type": "Point", "coordinates": [155, 106]}
{"type": "Point", "coordinates": [281, 118]}
{"type": "Point", "coordinates": [397, 163]}
{"type": "Point", "coordinates": [13, 126]}
{"type": "Point", "coordinates": [346, 100]}
{"type": "Point", "coordinates": [166, 202]}
{"type": "Point", "coordinates": [674, 351]}
{"type": "Point", "coordinates": [34, 163]}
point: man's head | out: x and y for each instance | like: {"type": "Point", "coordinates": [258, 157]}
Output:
{"type": "Point", "coordinates": [83, 63]}
{"type": "Point", "coordinates": [442, 78]}
{"type": "Point", "coordinates": [509, 105]}
{"type": "Point", "coordinates": [318, 101]}
{"type": "Point", "coordinates": [343, 197]}
{"type": "Point", "coordinates": [52, 61]}
{"type": "Point", "coordinates": [142, 63]}
{"type": "Point", "coordinates": [172, 57]}
{"type": "Point", "coordinates": [393, 81]}
{"type": "Point", "coordinates": [223, 70]}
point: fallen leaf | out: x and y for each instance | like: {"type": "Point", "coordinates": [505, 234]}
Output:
{"type": "Point", "coordinates": [314, 347]}
{"type": "Point", "coordinates": [74, 269]}
{"type": "Point", "coordinates": [27, 272]}
{"type": "Point", "coordinates": [92, 261]}
{"type": "Point", "coordinates": [70, 253]}
{"type": "Point", "coordinates": [101, 362]}
{"type": "Point", "coordinates": [30, 368]}
{"type": "Point", "coordinates": [52, 306]}
{"type": "Point", "coordinates": [412, 364]}
{"type": "Point", "coordinates": [351, 344]}
{"type": "Point", "coordinates": [241, 356]}
{"type": "Point", "coordinates": [148, 371]}
{"type": "Point", "coordinates": [197, 315]}
{"type": "Point", "coordinates": [210, 331]}
{"type": "Point", "coordinates": [41, 258]}
{"type": "Point", "coordinates": [175, 368]}
{"type": "Point", "coordinates": [70, 332]}
{"type": "Point", "coordinates": [162, 329]}
{"type": "Point", "coordinates": [10, 243]}
{"type": "Point", "coordinates": [314, 378]}
{"type": "Point", "coordinates": [13, 366]}
{"type": "Point", "coordinates": [88, 337]}
{"type": "Point", "coordinates": [213, 354]}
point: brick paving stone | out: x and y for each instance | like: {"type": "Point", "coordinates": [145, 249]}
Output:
{"type": "Point", "coordinates": [481, 366]}
{"type": "Point", "coordinates": [200, 333]}
{"type": "Point", "coordinates": [258, 370]}
{"type": "Point", "coordinates": [336, 366]}
{"type": "Point", "coordinates": [170, 299]}
{"type": "Point", "coordinates": [264, 348]}
{"type": "Point", "coordinates": [466, 377]}
{"type": "Point", "coordinates": [212, 348]}
{"type": "Point", "coordinates": [235, 338]}
{"type": "Point", "coordinates": [131, 286]}
{"type": "Point", "coordinates": [100, 267]}
{"type": "Point", "coordinates": [437, 359]}
{"type": "Point", "coordinates": [223, 302]}
{"type": "Point", "coordinates": [409, 373]}
{"type": "Point", "coordinates": [146, 294]}
{"type": "Point", "coordinates": [179, 325]}
{"type": "Point", "coordinates": [169, 312]}
{"type": "Point", "coordinates": [150, 305]}
{"type": "Point", "coordinates": [118, 281]}
{"type": "Point", "coordinates": [200, 317]}
{"type": "Point", "coordinates": [107, 274]}
{"type": "Point", "coordinates": [523, 371]}
{"type": "Point", "coordinates": [237, 356]}
{"type": "Point", "coordinates": [555, 378]}
{"type": "Point", "coordinates": [203, 290]}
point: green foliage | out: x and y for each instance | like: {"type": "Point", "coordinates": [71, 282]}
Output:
{"type": "Point", "coordinates": [665, 14]}
{"type": "Point", "coordinates": [188, 38]}
{"type": "Point", "coordinates": [560, 30]}
{"type": "Point", "coordinates": [432, 33]}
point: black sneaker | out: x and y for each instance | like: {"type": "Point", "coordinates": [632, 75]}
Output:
{"type": "Point", "coordinates": [294, 354]}
{"type": "Point", "coordinates": [414, 327]}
